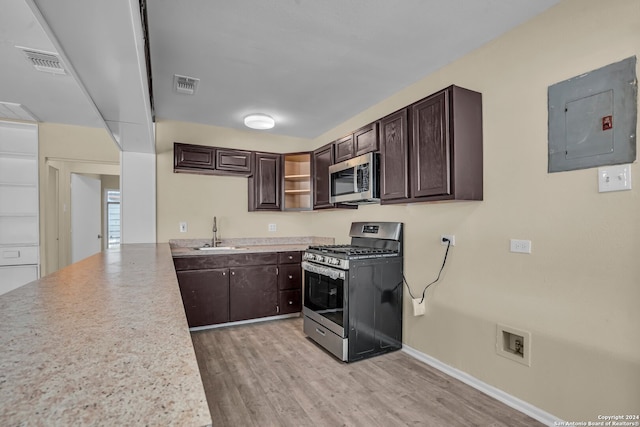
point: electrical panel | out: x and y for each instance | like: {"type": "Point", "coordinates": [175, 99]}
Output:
{"type": "Point", "coordinates": [593, 118]}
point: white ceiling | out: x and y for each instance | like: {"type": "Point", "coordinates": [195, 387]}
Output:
{"type": "Point", "coordinates": [309, 64]}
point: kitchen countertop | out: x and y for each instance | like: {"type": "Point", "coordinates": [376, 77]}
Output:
{"type": "Point", "coordinates": [185, 247]}
{"type": "Point", "coordinates": [104, 341]}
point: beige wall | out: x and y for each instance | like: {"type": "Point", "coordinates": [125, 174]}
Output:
{"type": "Point", "coordinates": [195, 199]}
{"type": "Point", "coordinates": [577, 293]}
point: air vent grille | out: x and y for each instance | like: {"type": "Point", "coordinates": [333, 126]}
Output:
{"type": "Point", "coordinates": [184, 84]}
{"type": "Point", "coordinates": [44, 61]}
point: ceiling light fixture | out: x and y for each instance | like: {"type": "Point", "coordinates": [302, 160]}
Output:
{"type": "Point", "coordinates": [259, 121]}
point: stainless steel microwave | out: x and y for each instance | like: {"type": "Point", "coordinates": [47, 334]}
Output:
{"type": "Point", "coordinates": [355, 181]}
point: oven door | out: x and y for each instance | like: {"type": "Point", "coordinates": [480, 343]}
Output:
{"type": "Point", "coordinates": [324, 296]}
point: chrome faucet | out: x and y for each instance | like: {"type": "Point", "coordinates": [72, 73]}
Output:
{"type": "Point", "coordinates": [214, 241]}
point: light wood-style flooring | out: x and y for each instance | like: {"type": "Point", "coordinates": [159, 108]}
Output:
{"type": "Point", "coordinates": [271, 374]}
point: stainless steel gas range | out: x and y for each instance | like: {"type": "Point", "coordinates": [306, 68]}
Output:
{"type": "Point", "coordinates": [353, 293]}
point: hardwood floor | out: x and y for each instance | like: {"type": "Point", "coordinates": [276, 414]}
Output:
{"type": "Point", "coordinates": [271, 374]}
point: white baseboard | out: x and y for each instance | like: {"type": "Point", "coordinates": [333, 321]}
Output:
{"type": "Point", "coordinates": [512, 401]}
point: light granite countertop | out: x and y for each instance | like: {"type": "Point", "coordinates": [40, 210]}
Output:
{"type": "Point", "coordinates": [186, 247]}
{"type": "Point", "coordinates": [104, 341]}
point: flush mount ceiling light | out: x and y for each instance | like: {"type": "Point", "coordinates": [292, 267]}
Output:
{"type": "Point", "coordinates": [259, 121]}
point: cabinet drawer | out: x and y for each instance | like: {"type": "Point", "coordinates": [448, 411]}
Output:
{"type": "Point", "coordinates": [19, 255]}
{"type": "Point", "coordinates": [289, 257]}
{"type": "Point", "coordinates": [289, 276]}
{"type": "Point", "coordinates": [290, 301]}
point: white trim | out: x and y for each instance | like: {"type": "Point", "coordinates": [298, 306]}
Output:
{"type": "Point", "coordinates": [509, 400]}
{"type": "Point", "coordinates": [243, 322]}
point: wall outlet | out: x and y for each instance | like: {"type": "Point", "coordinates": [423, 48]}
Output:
{"type": "Point", "coordinates": [183, 227]}
{"type": "Point", "coordinates": [520, 246]}
{"type": "Point", "coordinates": [451, 237]}
{"type": "Point", "coordinates": [419, 308]}
{"type": "Point", "coordinates": [273, 227]}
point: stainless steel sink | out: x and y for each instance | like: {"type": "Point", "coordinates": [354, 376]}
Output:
{"type": "Point", "coordinates": [220, 248]}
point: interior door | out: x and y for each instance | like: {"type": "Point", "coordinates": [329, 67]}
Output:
{"type": "Point", "coordinates": [85, 217]}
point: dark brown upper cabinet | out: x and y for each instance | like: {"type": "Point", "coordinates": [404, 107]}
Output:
{"type": "Point", "coordinates": [187, 157]}
{"type": "Point", "coordinates": [321, 159]}
{"type": "Point", "coordinates": [344, 149]}
{"type": "Point", "coordinates": [203, 159]}
{"type": "Point", "coordinates": [362, 141]}
{"type": "Point", "coordinates": [394, 156]}
{"type": "Point", "coordinates": [265, 184]}
{"type": "Point", "coordinates": [365, 139]}
{"type": "Point", "coordinates": [233, 160]}
{"type": "Point", "coordinates": [432, 150]}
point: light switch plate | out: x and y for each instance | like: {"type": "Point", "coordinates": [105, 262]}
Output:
{"type": "Point", "coordinates": [183, 227]}
{"type": "Point", "coordinates": [614, 178]}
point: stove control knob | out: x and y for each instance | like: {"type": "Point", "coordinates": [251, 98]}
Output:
{"type": "Point", "coordinates": [319, 258]}
{"type": "Point", "coordinates": [334, 261]}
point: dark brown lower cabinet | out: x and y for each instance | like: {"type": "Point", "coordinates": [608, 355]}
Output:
{"type": "Point", "coordinates": [228, 288]}
{"type": "Point", "coordinates": [290, 301]}
{"type": "Point", "coordinates": [290, 282]}
{"type": "Point", "coordinates": [253, 292]}
{"type": "Point", "coordinates": [205, 295]}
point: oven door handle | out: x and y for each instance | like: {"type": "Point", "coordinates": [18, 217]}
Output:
{"type": "Point", "coordinates": [323, 271]}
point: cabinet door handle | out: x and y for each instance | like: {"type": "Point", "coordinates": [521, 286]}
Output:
{"type": "Point", "coordinates": [290, 276]}
{"type": "Point", "coordinates": [233, 273]}
{"type": "Point", "coordinates": [224, 273]}
{"type": "Point", "coordinates": [290, 257]}
{"type": "Point", "coordinates": [290, 302]}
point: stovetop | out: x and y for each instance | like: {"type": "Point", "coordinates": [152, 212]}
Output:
{"type": "Point", "coordinates": [369, 240]}
{"type": "Point", "coordinates": [351, 251]}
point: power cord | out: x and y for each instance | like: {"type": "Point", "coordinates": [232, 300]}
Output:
{"type": "Point", "coordinates": [444, 239]}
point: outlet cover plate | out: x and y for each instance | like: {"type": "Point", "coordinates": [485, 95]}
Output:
{"type": "Point", "coordinates": [520, 246]}
{"type": "Point", "coordinates": [451, 237]}
{"type": "Point", "coordinates": [419, 308]}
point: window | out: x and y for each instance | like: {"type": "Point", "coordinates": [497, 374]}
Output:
{"type": "Point", "coordinates": [113, 218]}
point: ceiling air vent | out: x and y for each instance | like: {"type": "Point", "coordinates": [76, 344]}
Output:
{"type": "Point", "coordinates": [184, 84]}
{"type": "Point", "coordinates": [44, 61]}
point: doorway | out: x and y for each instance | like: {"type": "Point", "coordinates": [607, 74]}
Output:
{"type": "Point", "coordinates": [58, 222]}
